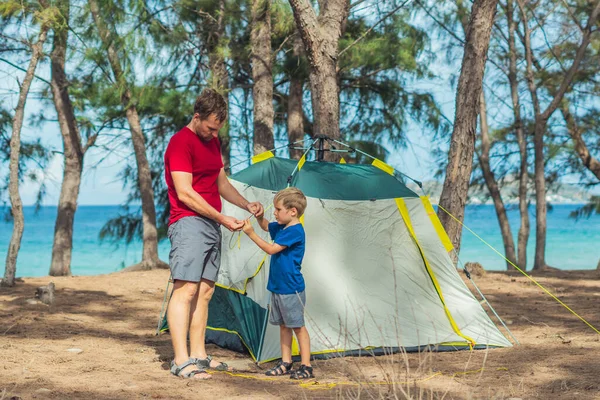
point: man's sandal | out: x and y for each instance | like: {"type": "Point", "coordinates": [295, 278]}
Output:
{"type": "Point", "coordinates": [205, 364]}
{"type": "Point", "coordinates": [282, 368]}
{"type": "Point", "coordinates": [303, 372]}
{"type": "Point", "coordinates": [177, 370]}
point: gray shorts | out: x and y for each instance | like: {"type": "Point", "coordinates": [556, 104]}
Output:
{"type": "Point", "coordinates": [287, 309]}
{"type": "Point", "coordinates": [195, 249]}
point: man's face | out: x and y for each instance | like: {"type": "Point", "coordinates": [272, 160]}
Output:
{"type": "Point", "coordinates": [207, 129]}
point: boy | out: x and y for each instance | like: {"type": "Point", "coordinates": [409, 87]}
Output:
{"type": "Point", "coordinates": [286, 283]}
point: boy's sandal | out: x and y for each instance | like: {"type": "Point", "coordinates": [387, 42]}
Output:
{"type": "Point", "coordinates": [177, 370]}
{"type": "Point", "coordinates": [303, 372]}
{"type": "Point", "coordinates": [282, 368]}
{"type": "Point", "coordinates": [205, 364]}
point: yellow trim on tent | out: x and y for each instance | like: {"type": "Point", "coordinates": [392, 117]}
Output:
{"type": "Point", "coordinates": [295, 347]}
{"type": "Point", "coordinates": [301, 162]}
{"type": "Point", "coordinates": [456, 344]}
{"type": "Point", "coordinates": [262, 157]}
{"type": "Point", "coordinates": [405, 216]}
{"type": "Point", "coordinates": [383, 166]}
{"type": "Point", "coordinates": [467, 344]}
{"type": "Point", "coordinates": [238, 335]}
{"type": "Point", "coordinates": [247, 280]}
{"type": "Point", "coordinates": [437, 224]}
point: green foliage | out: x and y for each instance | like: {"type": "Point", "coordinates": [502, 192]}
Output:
{"type": "Point", "coordinates": [33, 11]}
{"type": "Point", "coordinates": [586, 211]}
{"type": "Point", "coordinates": [11, 9]}
{"type": "Point", "coordinates": [375, 74]}
{"type": "Point", "coordinates": [125, 227]}
{"type": "Point", "coordinates": [282, 19]}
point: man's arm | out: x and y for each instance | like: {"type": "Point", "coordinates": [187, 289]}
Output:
{"type": "Point", "coordinates": [188, 196]}
{"type": "Point", "coordinates": [230, 193]}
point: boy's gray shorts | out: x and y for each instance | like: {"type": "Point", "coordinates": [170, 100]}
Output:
{"type": "Point", "coordinates": [195, 249]}
{"type": "Point", "coordinates": [287, 309]}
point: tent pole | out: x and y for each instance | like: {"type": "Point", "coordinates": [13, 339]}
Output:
{"type": "Point", "coordinates": [298, 166]}
{"type": "Point", "coordinates": [468, 274]}
{"type": "Point", "coordinates": [418, 183]}
{"type": "Point", "coordinates": [162, 310]}
{"type": "Point", "coordinates": [320, 151]}
{"type": "Point", "coordinates": [229, 167]}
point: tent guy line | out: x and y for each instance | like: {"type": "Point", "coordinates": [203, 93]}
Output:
{"type": "Point", "coordinates": [521, 271]}
{"type": "Point", "coordinates": [468, 274]}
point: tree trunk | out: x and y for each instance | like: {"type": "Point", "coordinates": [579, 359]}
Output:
{"type": "Point", "coordinates": [462, 145]}
{"type": "Point", "coordinates": [219, 77]}
{"type": "Point", "coordinates": [15, 148]}
{"type": "Point", "coordinates": [321, 36]}
{"type": "Point", "coordinates": [538, 143]}
{"type": "Point", "coordinates": [150, 238]}
{"type": "Point", "coordinates": [541, 120]}
{"type": "Point", "coordinates": [539, 261]}
{"type": "Point", "coordinates": [591, 163]}
{"type": "Point", "coordinates": [523, 236]}
{"type": "Point", "coordinates": [150, 258]}
{"type": "Point", "coordinates": [295, 113]}
{"type": "Point", "coordinates": [220, 81]}
{"type": "Point", "coordinates": [492, 185]}
{"type": "Point", "coordinates": [73, 154]}
{"type": "Point", "coordinates": [262, 74]}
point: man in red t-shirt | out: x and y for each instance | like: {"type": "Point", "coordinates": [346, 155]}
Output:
{"type": "Point", "coordinates": [196, 182]}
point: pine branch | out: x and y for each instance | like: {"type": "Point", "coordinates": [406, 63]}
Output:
{"type": "Point", "coordinates": [373, 27]}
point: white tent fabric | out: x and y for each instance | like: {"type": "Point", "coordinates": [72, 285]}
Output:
{"type": "Point", "coordinates": [367, 284]}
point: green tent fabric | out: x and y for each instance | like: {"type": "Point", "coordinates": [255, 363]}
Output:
{"type": "Point", "coordinates": [325, 180]}
{"type": "Point", "coordinates": [234, 321]}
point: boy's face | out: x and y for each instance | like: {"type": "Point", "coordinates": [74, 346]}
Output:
{"type": "Point", "coordinates": [284, 215]}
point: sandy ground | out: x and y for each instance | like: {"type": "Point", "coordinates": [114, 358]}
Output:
{"type": "Point", "coordinates": [112, 320]}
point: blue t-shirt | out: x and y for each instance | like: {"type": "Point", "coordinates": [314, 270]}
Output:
{"type": "Point", "coordinates": [285, 276]}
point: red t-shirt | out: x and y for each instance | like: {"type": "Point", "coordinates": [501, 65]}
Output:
{"type": "Point", "coordinates": [186, 152]}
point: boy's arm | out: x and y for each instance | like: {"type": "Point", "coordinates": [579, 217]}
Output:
{"type": "Point", "coordinates": [264, 223]}
{"type": "Point", "coordinates": [269, 248]}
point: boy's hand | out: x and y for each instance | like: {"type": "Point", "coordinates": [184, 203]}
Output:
{"type": "Point", "coordinates": [247, 228]}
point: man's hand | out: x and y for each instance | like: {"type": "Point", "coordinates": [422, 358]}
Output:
{"type": "Point", "coordinates": [256, 209]}
{"type": "Point", "coordinates": [248, 229]}
{"type": "Point", "coordinates": [231, 223]}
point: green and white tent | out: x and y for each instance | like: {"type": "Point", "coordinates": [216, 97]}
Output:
{"type": "Point", "coordinates": [377, 269]}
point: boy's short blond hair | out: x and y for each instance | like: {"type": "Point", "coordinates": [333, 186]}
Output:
{"type": "Point", "coordinates": [291, 198]}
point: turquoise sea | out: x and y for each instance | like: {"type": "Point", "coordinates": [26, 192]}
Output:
{"type": "Point", "coordinates": [571, 244]}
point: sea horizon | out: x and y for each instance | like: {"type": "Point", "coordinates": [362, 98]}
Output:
{"type": "Point", "coordinates": [571, 244]}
